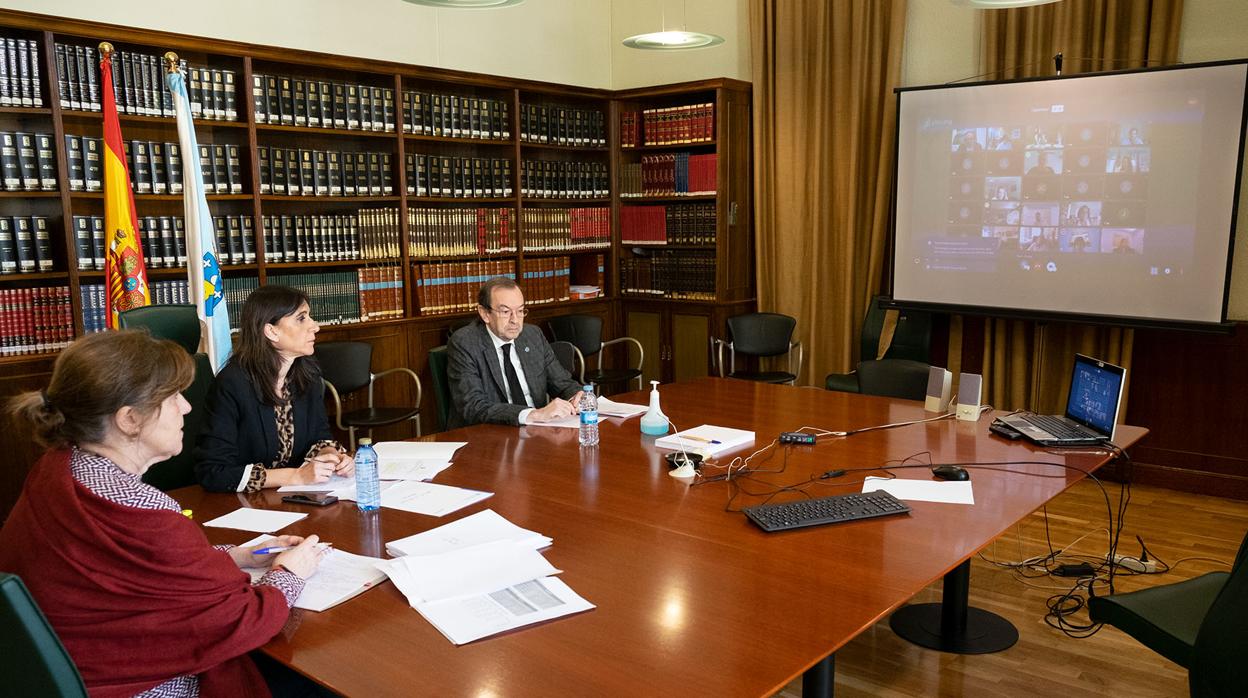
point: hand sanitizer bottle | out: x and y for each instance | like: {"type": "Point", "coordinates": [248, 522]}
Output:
{"type": "Point", "coordinates": [654, 422]}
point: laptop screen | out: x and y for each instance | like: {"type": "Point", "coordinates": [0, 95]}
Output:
{"type": "Point", "coordinates": [1095, 391]}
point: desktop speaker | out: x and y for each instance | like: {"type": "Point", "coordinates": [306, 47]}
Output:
{"type": "Point", "coordinates": [939, 385]}
{"type": "Point", "coordinates": [970, 393]}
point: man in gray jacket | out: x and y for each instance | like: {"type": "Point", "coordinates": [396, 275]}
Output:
{"type": "Point", "coordinates": [500, 370]}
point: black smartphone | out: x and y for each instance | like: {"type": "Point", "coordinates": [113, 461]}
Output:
{"type": "Point", "coordinates": [316, 499]}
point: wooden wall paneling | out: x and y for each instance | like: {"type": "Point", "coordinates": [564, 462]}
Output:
{"type": "Point", "coordinates": [20, 449]}
{"type": "Point", "coordinates": [1188, 389]}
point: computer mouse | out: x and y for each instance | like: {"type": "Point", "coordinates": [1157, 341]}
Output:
{"type": "Point", "coordinates": [950, 472]}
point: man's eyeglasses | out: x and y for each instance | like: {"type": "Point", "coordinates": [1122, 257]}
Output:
{"type": "Point", "coordinates": [509, 313]}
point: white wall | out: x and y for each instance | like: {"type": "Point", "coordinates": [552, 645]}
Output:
{"type": "Point", "coordinates": [572, 42]}
{"type": "Point", "coordinates": [562, 41]}
{"type": "Point", "coordinates": [943, 45]}
{"type": "Point", "coordinates": [636, 68]}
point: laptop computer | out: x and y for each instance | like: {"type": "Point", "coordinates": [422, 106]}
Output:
{"type": "Point", "coordinates": [1091, 410]}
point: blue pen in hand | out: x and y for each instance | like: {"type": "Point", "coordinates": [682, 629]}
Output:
{"type": "Point", "coordinates": [283, 548]}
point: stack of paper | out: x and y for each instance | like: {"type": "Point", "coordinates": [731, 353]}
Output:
{"type": "Point", "coordinates": [414, 460]}
{"type": "Point", "coordinates": [708, 440]}
{"type": "Point", "coordinates": [428, 498]}
{"type": "Point", "coordinates": [606, 408]}
{"type": "Point", "coordinates": [468, 593]}
{"type": "Point", "coordinates": [480, 528]}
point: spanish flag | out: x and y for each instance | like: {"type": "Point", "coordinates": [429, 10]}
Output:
{"type": "Point", "coordinates": [125, 277]}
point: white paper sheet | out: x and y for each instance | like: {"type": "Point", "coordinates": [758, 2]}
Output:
{"type": "Point", "coordinates": [479, 528]}
{"type": "Point", "coordinates": [418, 450]}
{"type": "Point", "coordinates": [467, 619]}
{"type": "Point", "coordinates": [467, 571]}
{"type": "Point", "coordinates": [340, 576]}
{"type": "Point", "coordinates": [256, 520]}
{"type": "Point", "coordinates": [403, 469]}
{"type": "Point", "coordinates": [923, 490]}
{"type": "Point", "coordinates": [707, 439]}
{"type": "Point", "coordinates": [428, 498]}
{"type": "Point", "coordinates": [606, 408]}
{"type": "Point", "coordinates": [611, 408]}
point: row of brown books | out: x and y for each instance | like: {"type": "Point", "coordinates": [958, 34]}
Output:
{"type": "Point", "coordinates": [451, 287]}
{"type": "Point", "coordinates": [19, 73]}
{"type": "Point", "coordinates": [684, 274]}
{"type": "Point", "coordinates": [28, 161]}
{"type": "Point", "coordinates": [670, 174]}
{"type": "Point", "coordinates": [545, 280]}
{"type": "Point", "coordinates": [381, 292]}
{"type": "Point", "coordinates": [294, 101]}
{"type": "Point", "coordinates": [35, 320]}
{"type": "Point", "coordinates": [449, 232]}
{"type": "Point", "coordinates": [675, 224]}
{"type": "Point", "coordinates": [566, 229]}
{"type": "Point", "coordinates": [693, 123]}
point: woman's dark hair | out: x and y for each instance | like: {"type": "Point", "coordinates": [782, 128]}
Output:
{"type": "Point", "coordinates": [255, 354]}
{"type": "Point", "coordinates": [99, 374]}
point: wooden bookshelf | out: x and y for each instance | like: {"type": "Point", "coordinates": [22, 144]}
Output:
{"type": "Point", "coordinates": [405, 340]}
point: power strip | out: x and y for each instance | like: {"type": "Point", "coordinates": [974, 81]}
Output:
{"type": "Point", "coordinates": [1134, 564]}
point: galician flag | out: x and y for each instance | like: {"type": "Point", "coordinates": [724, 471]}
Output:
{"type": "Point", "coordinates": [125, 276]}
{"type": "Point", "coordinates": [203, 269]}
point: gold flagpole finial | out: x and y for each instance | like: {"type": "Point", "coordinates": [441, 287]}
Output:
{"type": "Point", "coordinates": [106, 50]}
{"type": "Point", "coordinates": [171, 62]}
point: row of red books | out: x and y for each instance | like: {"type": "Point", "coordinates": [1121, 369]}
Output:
{"type": "Point", "coordinates": [663, 224]}
{"type": "Point", "coordinates": [35, 320]}
{"type": "Point", "coordinates": [694, 123]}
{"type": "Point", "coordinates": [447, 232]}
{"type": "Point", "coordinates": [564, 229]}
{"type": "Point", "coordinates": [670, 174]}
{"type": "Point", "coordinates": [381, 293]}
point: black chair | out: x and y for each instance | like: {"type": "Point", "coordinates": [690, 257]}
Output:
{"type": "Point", "coordinates": [570, 358]}
{"type": "Point", "coordinates": [585, 333]}
{"type": "Point", "coordinates": [33, 661]}
{"type": "Point", "coordinates": [441, 383]}
{"type": "Point", "coordinates": [1200, 624]}
{"type": "Point", "coordinates": [912, 339]}
{"type": "Point", "coordinates": [759, 335]}
{"type": "Point", "coordinates": [901, 378]}
{"type": "Point", "coordinates": [346, 368]}
{"type": "Point", "coordinates": [178, 323]}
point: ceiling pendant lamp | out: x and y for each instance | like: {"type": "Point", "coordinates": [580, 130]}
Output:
{"type": "Point", "coordinates": [466, 4]}
{"type": "Point", "coordinates": [672, 39]}
{"type": "Point", "coordinates": [999, 4]}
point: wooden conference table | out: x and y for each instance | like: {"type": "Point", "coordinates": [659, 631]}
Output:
{"type": "Point", "coordinates": [690, 598]}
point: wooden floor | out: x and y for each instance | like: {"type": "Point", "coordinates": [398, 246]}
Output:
{"type": "Point", "coordinates": [1174, 525]}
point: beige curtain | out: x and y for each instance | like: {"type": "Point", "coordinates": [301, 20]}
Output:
{"type": "Point", "coordinates": [824, 123]}
{"type": "Point", "coordinates": [1027, 364]}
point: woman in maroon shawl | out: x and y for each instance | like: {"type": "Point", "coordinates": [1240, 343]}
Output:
{"type": "Point", "coordinates": [144, 604]}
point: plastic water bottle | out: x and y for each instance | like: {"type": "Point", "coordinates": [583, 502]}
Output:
{"type": "Point", "coordinates": [367, 483]}
{"type": "Point", "coordinates": [589, 417]}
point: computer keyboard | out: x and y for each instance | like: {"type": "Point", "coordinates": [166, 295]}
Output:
{"type": "Point", "coordinates": [1057, 427]}
{"type": "Point", "coordinates": [826, 510]}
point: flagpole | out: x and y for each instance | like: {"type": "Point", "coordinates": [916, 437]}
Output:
{"type": "Point", "coordinates": [125, 275]}
{"type": "Point", "coordinates": [203, 270]}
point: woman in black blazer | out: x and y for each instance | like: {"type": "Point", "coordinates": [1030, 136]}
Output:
{"type": "Point", "coordinates": [266, 424]}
